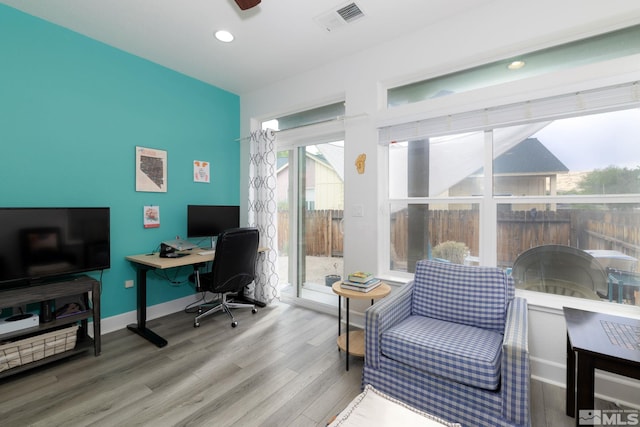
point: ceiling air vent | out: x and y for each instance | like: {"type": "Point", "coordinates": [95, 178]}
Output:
{"type": "Point", "coordinates": [350, 12]}
{"type": "Point", "coordinates": [339, 17]}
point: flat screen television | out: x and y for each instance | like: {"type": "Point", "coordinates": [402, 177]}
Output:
{"type": "Point", "coordinates": [40, 244]}
{"type": "Point", "coordinates": [211, 220]}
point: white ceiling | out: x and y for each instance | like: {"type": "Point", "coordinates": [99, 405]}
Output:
{"type": "Point", "coordinates": [275, 40]}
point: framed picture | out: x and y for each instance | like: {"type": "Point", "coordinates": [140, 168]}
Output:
{"type": "Point", "coordinates": [201, 171]}
{"type": "Point", "coordinates": [151, 216]}
{"type": "Point", "coordinates": [151, 170]}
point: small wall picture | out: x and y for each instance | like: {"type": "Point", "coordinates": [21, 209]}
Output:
{"type": "Point", "coordinates": [151, 216]}
{"type": "Point", "coordinates": [151, 170]}
{"type": "Point", "coordinates": [200, 171]}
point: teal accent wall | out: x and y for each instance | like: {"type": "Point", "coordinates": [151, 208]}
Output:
{"type": "Point", "coordinates": [72, 111]}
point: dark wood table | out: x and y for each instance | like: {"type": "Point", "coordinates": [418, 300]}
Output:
{"type": "Point", "coordinates": [592, 345]}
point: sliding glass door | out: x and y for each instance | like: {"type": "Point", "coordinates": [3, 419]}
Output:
{"type": "Point", "coordinates": [310, 211]}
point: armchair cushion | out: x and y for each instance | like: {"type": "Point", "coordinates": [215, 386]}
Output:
{"type": "Point", "coordinates": [475, 296]}
{"type": "Point", "coordinates": [457, 352]}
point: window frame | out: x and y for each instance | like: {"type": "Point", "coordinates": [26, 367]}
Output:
{"type": "Point", "coordinates": [488, 202]}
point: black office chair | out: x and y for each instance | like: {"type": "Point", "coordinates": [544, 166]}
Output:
{"type": "Point", "coordinates": [233, 269]}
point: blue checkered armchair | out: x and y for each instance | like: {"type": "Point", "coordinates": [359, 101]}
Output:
{"type": "Point", "coordinates": [453, 342]}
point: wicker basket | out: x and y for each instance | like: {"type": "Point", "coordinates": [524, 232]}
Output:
{"type": "Point", "coordinates": [29, 350]}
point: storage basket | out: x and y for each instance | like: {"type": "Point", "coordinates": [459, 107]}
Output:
{"type": "Point", "coordinates": [38, 347]}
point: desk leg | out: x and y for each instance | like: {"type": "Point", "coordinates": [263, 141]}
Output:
{"type": "Point", "coordinates": [585, 379]}
{"type": "Point", "coordinates": [571, 381]}
{"type": "Point", "coordinates": [141, 327]}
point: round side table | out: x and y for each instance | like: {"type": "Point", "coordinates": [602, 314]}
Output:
{"type": "Point", "coordinates": [355, 338]}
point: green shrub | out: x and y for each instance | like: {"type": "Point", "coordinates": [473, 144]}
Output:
{"type": "Point", "coordinates": [451, 251]}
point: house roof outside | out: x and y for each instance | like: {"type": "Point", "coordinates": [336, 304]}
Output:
{"type": "Point", "coordinates": [528, 157]}
{"type": "Point", "coordinates": [329, 154]}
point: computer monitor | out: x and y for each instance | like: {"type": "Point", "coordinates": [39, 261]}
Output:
{"type": "Point", "coordinates": [211, 220]}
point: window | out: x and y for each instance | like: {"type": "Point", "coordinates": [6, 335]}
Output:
{"type": "Point", "coordinates": [421, 173]}
{"type": "Point", "coordinates": [560, 208]}
{"type": "Point", "coordinates": [611, 45]}
{"type": "Point", "coordinates": [434, 167]}
{"type": "Point", "coordinates": [446, 232]}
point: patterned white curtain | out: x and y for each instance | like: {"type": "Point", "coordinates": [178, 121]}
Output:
{"type": "Point", "coordinates": [263, 211]}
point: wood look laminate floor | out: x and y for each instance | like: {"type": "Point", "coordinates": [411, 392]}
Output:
{"type": "Point", "coordinates": [279, 367]}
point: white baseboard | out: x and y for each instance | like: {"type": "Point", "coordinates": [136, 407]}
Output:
{"type": "Point", "coordinates": [120, 321]}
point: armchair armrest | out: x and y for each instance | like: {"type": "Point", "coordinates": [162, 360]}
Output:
{"type": "Point", "coordinates": [380, 317]}
{"type": "Point", "coordinates": [515, 364]}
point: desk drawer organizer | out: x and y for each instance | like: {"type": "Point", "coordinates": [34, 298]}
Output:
{"type": "Point", "coordinates": [38, 347]}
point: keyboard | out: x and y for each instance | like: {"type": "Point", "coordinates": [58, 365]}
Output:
{"type": "Point", "coordinates": [210, 252]}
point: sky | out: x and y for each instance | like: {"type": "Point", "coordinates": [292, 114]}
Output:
{"type": "Point", "coordinates": [596, 141]}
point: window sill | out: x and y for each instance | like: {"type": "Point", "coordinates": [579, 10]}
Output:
{"type": "Point", "coordinates": [540, 301]}
{"type": "Point", "coordinates": [554, 303]}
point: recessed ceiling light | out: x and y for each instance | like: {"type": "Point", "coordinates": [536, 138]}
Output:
{"type": "Point", "coordinates": [516, 65]}
{"type": "Point", "coordinates": [224, 36]}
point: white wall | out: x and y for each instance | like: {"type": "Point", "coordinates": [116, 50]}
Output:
{"type": "Point", "coordinates": [502, 29]}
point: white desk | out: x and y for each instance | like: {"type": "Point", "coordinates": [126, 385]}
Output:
{"type": "Point", "coordinates": [152, 261]}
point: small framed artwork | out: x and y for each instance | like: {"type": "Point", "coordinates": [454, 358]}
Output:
{"type": "Point", "coordinates": [151, 170]}
{"type": "Point", "coordinates": [200, 171]}
{"type": "Point", "coordinates": [151, 216]}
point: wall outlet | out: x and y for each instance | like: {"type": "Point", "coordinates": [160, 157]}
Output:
{"type": "Point", "coordinates": [128, 283]}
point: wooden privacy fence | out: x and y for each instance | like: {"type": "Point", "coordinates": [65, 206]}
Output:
{"type": "Point", "coordinates": [517, 231]}
{"type": "Point", "coordinates": [618, 230]}
{"type": "Point", "coordinates": [323, 232]}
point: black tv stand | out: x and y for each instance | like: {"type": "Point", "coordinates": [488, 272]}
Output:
{"type": "Point", "coordinates": [79, 285]}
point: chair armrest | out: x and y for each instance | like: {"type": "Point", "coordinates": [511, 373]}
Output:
{"type": "Point", "coordinates": [380, 317]}
{"type": "Point", "coordinates": [515, 364]}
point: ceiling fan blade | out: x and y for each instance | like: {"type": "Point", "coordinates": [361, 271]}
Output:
{"type": "Point", "coordinates": [247, 4]}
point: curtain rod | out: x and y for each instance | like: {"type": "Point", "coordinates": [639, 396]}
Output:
{"type": "Point", "coordinates": [338, 118]}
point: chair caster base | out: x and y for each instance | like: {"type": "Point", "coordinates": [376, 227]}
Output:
{"type": "Point", "coordinates": [196, 324]}
{"type": "Point", "coordinates": [254, 310]}
{"type": "Point", "coordinates": [234, 324]}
